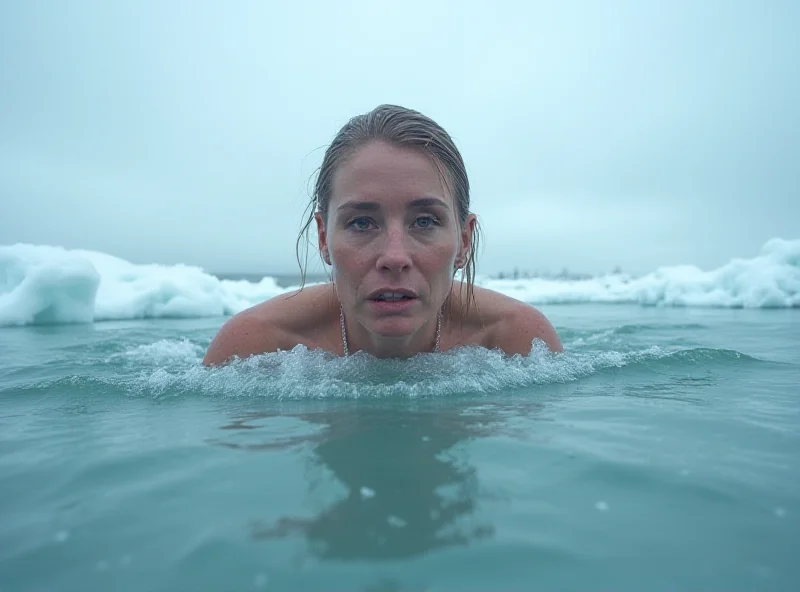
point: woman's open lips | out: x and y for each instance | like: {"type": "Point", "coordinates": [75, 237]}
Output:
{"type": "Point", "coordinates": [392, 301]}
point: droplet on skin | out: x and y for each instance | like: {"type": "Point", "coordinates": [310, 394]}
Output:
{"type": "Point", "coordinates": [62, 536]}
{"type": "Point", "coordinates": [367, 492]}
{"type": "Point", "coordinates": [602, 506]}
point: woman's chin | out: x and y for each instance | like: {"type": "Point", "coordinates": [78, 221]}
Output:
{"type": "Point", "coordinates": [394, 328]}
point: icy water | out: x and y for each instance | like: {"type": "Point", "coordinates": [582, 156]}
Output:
{"type": "Point", "coordinates": [661, 452]}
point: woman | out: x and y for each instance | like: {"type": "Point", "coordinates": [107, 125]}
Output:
{"type": "Point", "coordinates": [391, 207]}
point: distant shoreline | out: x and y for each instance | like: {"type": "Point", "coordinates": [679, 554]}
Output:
{"type": "Point", "coordinates": [284, 280]}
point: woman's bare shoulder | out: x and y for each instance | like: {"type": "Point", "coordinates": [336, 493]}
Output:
{"type": "Point", "coordinates": [512, 325]}
{"type": "Point", "coordinates": [279, 323]}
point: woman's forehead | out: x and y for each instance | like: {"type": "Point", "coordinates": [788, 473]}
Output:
{"type": "Point", "coordinates": [379, 171]}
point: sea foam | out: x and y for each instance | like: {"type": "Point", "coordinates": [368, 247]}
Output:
{"type": "Point", "coordinates": [769, 280]}
{"type": "Point", "coordinates": [42, 284]}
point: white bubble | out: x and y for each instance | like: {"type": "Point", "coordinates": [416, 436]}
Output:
{"type": "Point", "coordinates": [396, 522]}
{"type": "Point", "coordinates": [125, 561]}
{"type": "Point", "coordinates": [425, 439]}
{"type": "Point", "coordinates": [367, 492]}
{"type": "Point", "coordinates": [101, 565]}
{"type": "Point", "coordinates": [602, 506]}
{"type": "Point", "coordinates": [780, 512]}
{"type": "Point", "coordinates": [62, 536]}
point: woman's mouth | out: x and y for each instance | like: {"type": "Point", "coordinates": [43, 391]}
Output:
{"type": "Point", "coordinates": [391, 297]}
{"type": "Point", "coordinates": [391, 301]}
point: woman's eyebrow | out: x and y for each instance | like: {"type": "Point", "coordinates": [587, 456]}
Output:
{"type": "Point", "coordinates": [371, 206]}
{"type": "Point", "coordinates": [426, 202]}
{"type": "Point", "coordinates": [359, 205]}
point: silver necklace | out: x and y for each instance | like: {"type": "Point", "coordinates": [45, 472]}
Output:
{"type": "Point", "coordinates": [344, 332]}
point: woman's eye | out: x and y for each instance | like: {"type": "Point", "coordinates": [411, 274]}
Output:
{"type": "Point", "coordinates": [426, 221]}
{"type": "Point", "coordinates": [360, 223]}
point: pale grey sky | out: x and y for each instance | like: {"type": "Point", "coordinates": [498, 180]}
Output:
{"type": "Point", "coordinates": [595, 134]}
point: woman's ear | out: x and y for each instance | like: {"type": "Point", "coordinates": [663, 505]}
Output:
{"type": "Point", "coordinates": [465, 246]}
{"type": "Point", "coordinates": [323, 238]}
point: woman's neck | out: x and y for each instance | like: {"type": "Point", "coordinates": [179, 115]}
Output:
{"type": "Point", "coordinates": [357, 338]}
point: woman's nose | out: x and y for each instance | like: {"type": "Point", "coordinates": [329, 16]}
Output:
{"type": "Point", "coordinates": [394, 254]}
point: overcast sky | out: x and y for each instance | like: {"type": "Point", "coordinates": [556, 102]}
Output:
{"type": "Point", "coordinates": [596, 134]}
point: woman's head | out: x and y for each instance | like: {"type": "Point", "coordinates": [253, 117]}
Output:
{"type": "Point", "coordinates": [388, 160]}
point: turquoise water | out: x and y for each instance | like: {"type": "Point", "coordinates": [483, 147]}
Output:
{"type": "Point", "coordinates": [661, 452]}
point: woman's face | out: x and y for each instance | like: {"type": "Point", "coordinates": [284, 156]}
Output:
{"type": "Point", "coordinates": [393, 238]}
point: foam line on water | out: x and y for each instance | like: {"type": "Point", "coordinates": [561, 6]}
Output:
{"type": "Point", "coordinates": [172, 368]}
